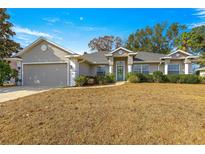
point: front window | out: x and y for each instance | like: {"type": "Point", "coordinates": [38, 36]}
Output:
{"type": "Point", "coordinates": [141, 68]}
{"type": "Point", "coordinates": [173, 69]}
{"type": "Point", "coordinates": [100, 70]}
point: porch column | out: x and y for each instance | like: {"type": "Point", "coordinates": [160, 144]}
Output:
{"type": "Point", "coordinates": [130, 62]}
{"type": "Point", "coordinates": [110, 69]}
{"type": "Point", "coordinates": [186, 68]}
{"type": "Point", "coordinates": [129, 68]}
{"type": "Point", "coordinates": [167, 61]}
{"type": "Point", "coordinates": [110, 64]}
{"type": "Point", "coordinates": [166, 68]}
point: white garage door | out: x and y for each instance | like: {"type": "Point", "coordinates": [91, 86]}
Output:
{"type": "Point", "coordinates": [45, 74]}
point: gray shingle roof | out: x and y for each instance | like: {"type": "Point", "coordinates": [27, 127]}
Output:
{"type": "Point", "coordinates": [148, 56]}
{"type": "Point", "coordinates": [96, 58]}
{"type": "Point", "coordinates": [99, 57]}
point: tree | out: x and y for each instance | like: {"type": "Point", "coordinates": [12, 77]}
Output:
{"type": "Point", "coordinates": [7, 45]}
{"type": "Point", "coordinates": [159, 38]}
{"type": "Point", "coordinates": [193, 40]}
{"type": "Point", "coordinates": [5, 71]}
{"type": "Point", "coordinates": [105, 43]}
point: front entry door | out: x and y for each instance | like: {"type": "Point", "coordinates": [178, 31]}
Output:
{"type": "Point", "coordinates": [120, 70]}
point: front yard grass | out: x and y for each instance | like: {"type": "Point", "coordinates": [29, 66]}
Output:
{"type": "Point", "coordinates": [146, 113]}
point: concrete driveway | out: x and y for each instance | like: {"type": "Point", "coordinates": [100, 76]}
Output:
{"type": "Point", "coordinates": [10, 93]}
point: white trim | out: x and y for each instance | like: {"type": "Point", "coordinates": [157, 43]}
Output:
{"type": "Point", "coordinates": [68, 77]}
{"type": "Point", "coordinates": [123, 69]}
{"type": "Point", "coordinates": [121, 48]}
{"type": "Point", "coordinates": [43, 39]}
{"type": "Point", "coordinates": [17, 59]}
{"type": "Point", "coordinates": [179, 51]}
{"type": "Point", "coordinates": [192, 56]}
{"type": "Point", "coordinates": [72, 56]}
{"type": "Point", "coordinates": [22, 78]}
{"type": "Point", "coordinates": [44, 62]}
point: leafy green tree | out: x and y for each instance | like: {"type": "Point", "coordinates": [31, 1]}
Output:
{"type": "Point", "coordinates": [193, 40]}
{"type": "Point", "coordinates": [7, 45]}
{"type": "Point", "coordinates": [105, 43]}
{"type": "Point", "coordinates": [5, 71]}
{"type": "Point", "coordinates": [159, 38]}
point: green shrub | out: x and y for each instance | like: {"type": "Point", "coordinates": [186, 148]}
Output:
{"type": "Point", "coordinates": [81, 80]}
{"type": "Point", "coordinates": [202, 79]}
{"type": "Point", "coordinates": [129, 74]}
{"type": "Point", "coordinates": [105, 79]}
{"type": "Point", "coordinates": [188, 78]}
{"type": "Point", "coordinates": [148, 78]}
{"type": "Point", "coordinates": [142, 77]}
{"type": "Point", "coordinates": [173, 78]}
{"type": "Point", "coordinates": [109, 78]}
{"type": "Point", "coordinates": [134, 78]}
{"type": "Point", "coordinates": [5, 71]}
{"type": "Point", "coordinates": [159, 77]}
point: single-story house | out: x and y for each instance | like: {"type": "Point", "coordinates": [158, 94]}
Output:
{"type": "Point", "coordinates": [201, 71]}
{"type": "Point", "coordinates": [45, 63]}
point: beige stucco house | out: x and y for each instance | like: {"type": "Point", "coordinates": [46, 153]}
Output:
{"type": "Point", "coordinates": [45, 63]}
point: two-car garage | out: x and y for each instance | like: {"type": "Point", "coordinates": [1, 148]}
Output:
{"type": "Point", "coordinates": [45, 74]}
{"type": "Point", "coordinates": [44, 63]}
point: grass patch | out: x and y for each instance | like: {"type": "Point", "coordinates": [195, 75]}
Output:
{"type": "Point", "coordinates": [146, 113]}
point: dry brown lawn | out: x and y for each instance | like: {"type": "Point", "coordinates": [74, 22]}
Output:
{"type": "Point", "coordinates": [126, 114]}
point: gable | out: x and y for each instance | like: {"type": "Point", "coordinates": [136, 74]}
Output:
{"type": "Point", "coordinates": [51, 54]}
{"type": "Point", "coordinates": [178, 55]}
{"type": "Point", "coordinates": [120, 53]}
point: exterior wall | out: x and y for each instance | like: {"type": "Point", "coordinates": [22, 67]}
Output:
{"type": "Point", "coordinates": [202, 73]}
{"type": "Point", "coordinates": [153, 67]}
{"type": "Point", "coordinates": [13, 64]}
{"type": "Point", "coordinates": [52, 54]}
{"type": "Point", "coordinates": [84, 69]}
{"type": "Point", "coordinates": [161, 68]}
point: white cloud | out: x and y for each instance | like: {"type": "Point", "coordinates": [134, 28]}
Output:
{"type": "Point", "coordinates": [193, 25]}
{"type": "Point", "coordinates": [81, 18]}
{"type": "Point", "coordinates": [200, 13]}
{"type": "Point", "coordinates": [51, 20]}
{"type": "Point", "coordinates": [28, 31]}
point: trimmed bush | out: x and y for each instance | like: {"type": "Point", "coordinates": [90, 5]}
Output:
{"type": "Point", "coordinates": [202, 79]}
{"type": "Point", "coordinates": [105, 79]}
{"type": "Point", "coordinates": [134, 78]}
{"type": "Point", "coordinates": [81, 80]}
{"type": "Point", "coordinates": [110, 78]}
{"type": "Point", "coordinates": [188, 78]}
{"type": "Point", "coordinates": [142, 77]}
{"type": "Point", "coordinates": [159, 77]}
{"type": "Point", "coordinates": [149, 78]}
{"type": "Point", "coordinates": [173, 78]}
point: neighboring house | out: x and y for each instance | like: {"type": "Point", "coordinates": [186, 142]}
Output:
{"type": "Point", "coordinates": [201, 71]}
{"type": "Point", "coordinates": [47, 64]}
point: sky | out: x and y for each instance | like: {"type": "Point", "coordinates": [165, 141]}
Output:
{"type": "Point", "coordinates": [74, 28]}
